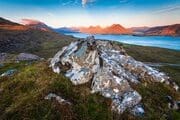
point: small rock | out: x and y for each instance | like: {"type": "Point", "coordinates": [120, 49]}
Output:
{"type": "Point", "coordinates": [57, 98]}
{"type": "Point", "coordinates": [27, 57]}
{"type": "Point", "coordinates": [9, 73]}
{"type": "Point", "coordinates": [172, 104]}
{"type": "Point", "coordinates": [1, 65]}
{"type": "Point", "coordinates": [1, 90]}
{"type": "Point", "coordinates": [3, 57]}
{"type": "Point", "coordinates": [138, 111]}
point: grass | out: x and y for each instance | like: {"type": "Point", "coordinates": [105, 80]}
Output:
{"type": "Point", "coordinates": [153, 54]}
{"type": "Point", "coordinates": [22, 95]}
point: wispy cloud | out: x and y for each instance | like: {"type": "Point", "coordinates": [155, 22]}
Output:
{"type": "Point", "coordinates": [168, 9]}
{"type": "Point", "coordinates": [124, 1]}
{"type": "Point", "coordinates": [84, 2]}
{"type": "Point", "coordinates": [29, 21]}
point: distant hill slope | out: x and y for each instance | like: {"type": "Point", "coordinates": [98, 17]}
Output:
{"type": "Point", "coordinates": [16, 38]}
{"type": "Point", "coordinates": [169, 30]}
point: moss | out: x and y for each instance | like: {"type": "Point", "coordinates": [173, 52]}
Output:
{"type": "Point", "coordinates": [23, 94]}
{"type": "Point", "coordinates": [23, 97]}
{"type": "Point", "coordinates": [153, 54]}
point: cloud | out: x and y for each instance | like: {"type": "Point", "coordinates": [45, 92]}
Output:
{"type": "Point", "coordinates": [84, 2]}
{"type": "Point", "coordinates": [123, 1]}
{"type": "Point", "coordinates": [29, 22]}
{"type": "Point", "coordinates": [168, 9]}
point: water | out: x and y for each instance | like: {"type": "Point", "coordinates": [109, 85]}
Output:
{"type": "Point", "coordinates": [154, 41]}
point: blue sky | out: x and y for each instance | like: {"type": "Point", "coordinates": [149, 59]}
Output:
{"type": "Point", "coordinates": [58, 13]}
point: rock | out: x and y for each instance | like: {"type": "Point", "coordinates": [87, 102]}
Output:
{"type": "Point", "coordinates": [1, 90]}
{"type": "Point", "coordinates": [1, 65]}
{"type": "Point", "coordinates": [3, 57]}
{"type": "Point", "coordinates": [109, 68]}
{"type": "Point", "coordinates": [138, 111]}
{"type": "Point", "coordinates": [27, 57]}
{"type": "Point", "coordinates": [172, 104]}
{"type": "Point", "coordinates": [57, 98]}
{"type": "Point", "coordinates": [9, 73]}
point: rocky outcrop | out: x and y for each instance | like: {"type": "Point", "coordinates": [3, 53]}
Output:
{"type": "Point", "coordinates": [110, 70]}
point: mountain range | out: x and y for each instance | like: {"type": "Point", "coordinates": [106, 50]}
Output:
{"type": "Point", "coordinates": [113, 29]}
{"type": "Point", "coordinates": [168, 30]}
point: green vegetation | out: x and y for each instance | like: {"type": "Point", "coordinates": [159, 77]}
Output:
{"type": "Point", "coordinates": [42, 43]}
{"type": "Point", "coordinates": [153, 54]}
{"type": "Point", "coordinates": [22, 95]}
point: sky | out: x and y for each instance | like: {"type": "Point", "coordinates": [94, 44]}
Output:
{"type": "Point", "coordinates": [74, 13]}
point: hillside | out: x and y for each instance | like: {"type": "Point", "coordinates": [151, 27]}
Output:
{"type": "Point", "coordinates": [22, 95]}
{"type": "Point", "coordinates": [169, 30]}
{"type": "Point", "coordinates": [40, 42]}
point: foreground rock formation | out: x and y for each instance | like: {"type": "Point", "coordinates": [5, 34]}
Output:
{"type": "Point", "coordinates": [109, 69]}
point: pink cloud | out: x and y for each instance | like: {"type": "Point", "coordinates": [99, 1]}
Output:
{"type": "Point", "coordinates": [29, 22]}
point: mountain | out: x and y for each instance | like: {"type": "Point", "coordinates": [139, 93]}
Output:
{"type": "Point", "coordinates": [6, 22]}
{"type": "Point", "coordinates": [66, 30]}
{"type": "Point", "coordinates": [139, 29]}
{"type": "Point", "coordinates": [17, 38]}
{"type": "Point", "coordinates": [113, 29]}
{"type": "Point", "coordinates": [8, 25]}
{"type": "Point", "coordinates": [36, 24]}
{"type": "Point", "coordinates": [169, 30]}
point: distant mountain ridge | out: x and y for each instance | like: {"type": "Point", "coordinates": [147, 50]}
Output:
{"type": "Point", "coordinates": [7, 22]}
{"type": "Point", "coordinates": [117, 29]}
{"type": "Point", "coordinates": [169, 30]}
{"type": "Point", "coordinates": [66, 30]}
{"type": "Point", "coordinates": [139, 29]}
{"type": "Point", "coordinates": [8, 25]}
{"type": "Point", "coordinates": [113, 29]}
{"type": "Point", "coordinates": [36, 24]}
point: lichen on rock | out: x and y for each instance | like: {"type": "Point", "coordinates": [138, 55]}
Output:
{"type": "Point", "coordinates": [109, 69]}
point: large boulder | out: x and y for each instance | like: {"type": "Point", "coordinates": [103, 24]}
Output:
{"type": "Point", "coordinates": [109, 69]}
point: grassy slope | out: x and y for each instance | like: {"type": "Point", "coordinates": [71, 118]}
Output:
{"type": "Point", "coordinates": [153, 94]}
{"type": "Point", "coordinates": [23, 93]}
{"type": "Point", "coordinates": [23, 96]}
{"type": "Point", "coordinates": [45, 44]}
